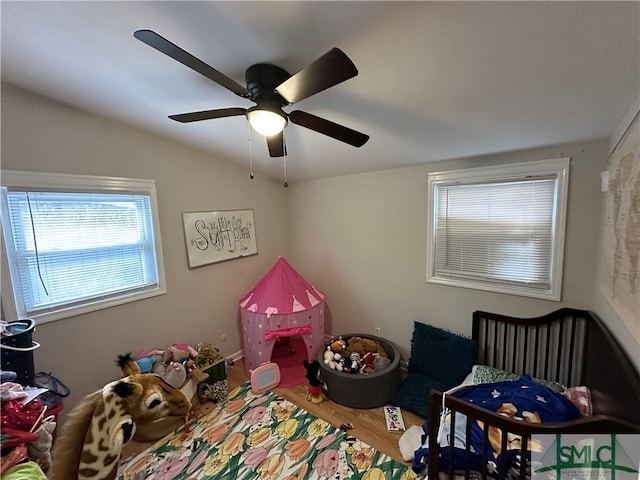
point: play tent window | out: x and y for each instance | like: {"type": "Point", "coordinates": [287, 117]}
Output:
{"type": "Point", "coordinates": [76, 244]}
{"type": "Point", "coordinates": [499, 228]}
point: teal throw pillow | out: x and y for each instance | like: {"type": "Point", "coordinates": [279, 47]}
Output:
{"type": "Point", "coordinates": [441, 355]}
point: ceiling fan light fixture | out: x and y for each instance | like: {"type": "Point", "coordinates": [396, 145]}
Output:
{"type": "Point", "coordinates": [271, 88]}
{"type": "Point", "coordinates": [266, 122]}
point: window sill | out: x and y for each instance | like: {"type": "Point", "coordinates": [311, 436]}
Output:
{"type": "Point", "coordinates": [506, 289]}
{"type": "Point", "coordinates": [61, 314]}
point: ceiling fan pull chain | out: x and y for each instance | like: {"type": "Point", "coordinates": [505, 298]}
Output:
{"type": "Point", "coordinates": [284, 161]}
{"type": "Point", "coordinates": [250, 152]}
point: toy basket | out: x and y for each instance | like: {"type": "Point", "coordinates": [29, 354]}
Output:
{"type": "Point", "coordinates": [215, 387]}
{"type": "Point", "coordinates": [210, 361]}
{"type": "Point", "coordinates": [56, 390]}
{"type": "Point", "coordinates": [217, 371]}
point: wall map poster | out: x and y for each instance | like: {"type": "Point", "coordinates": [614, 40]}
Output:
{"type": "Point", "coordinates": [213, 237]}
{"type": "Point", "coordinates": [620, 256]}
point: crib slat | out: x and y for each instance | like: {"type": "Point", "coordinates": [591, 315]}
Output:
{"type": "Point", "coordinates": [569, 379]}
{"type": "Point", "coordinates": [503, 448]}
{"type": "Point", "coordinates": [505, 341]}
{"type": "Point", "coordinates": [434, 446]}
{"type": "Point", "coordinates": [514, 352]}
{"type": "Point", "coordinates": [485, 453]}
{"type": "Point", "coordinates": [494, 359]}
{"type": "Point", "coordinates": [486, 341]}
{"type": "Point", "coordinates": [452, 441]}
{"type": "Point", "coordinates": [525, 350]}
{"type": "Point", "coordinates": [467, 447]}
{"type": "Point", "coordinates": [535, 353]}
{"type": "Point", "coordinates": [523, 455]}
{"type": "Point", "coordinates": [547, 351]}
{"type": "Point", "coordinates": [559, 350]}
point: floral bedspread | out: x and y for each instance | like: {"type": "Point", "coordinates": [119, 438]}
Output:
{"type": "Point", "coordinates": [261, 437]}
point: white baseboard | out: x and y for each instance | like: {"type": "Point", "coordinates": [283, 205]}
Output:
{"type": "Point", "coordinates": [235, 356]}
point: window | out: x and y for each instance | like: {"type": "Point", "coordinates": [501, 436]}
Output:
{"type": "Point", "coordinates": [76, 244]}
{"type": "Point", "coordinates": [499, 228]}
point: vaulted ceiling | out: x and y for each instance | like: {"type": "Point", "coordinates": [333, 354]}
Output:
{"type": "Point", "coordinates": [437, 80]}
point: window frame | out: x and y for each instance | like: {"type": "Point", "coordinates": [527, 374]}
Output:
{"type": "Point", "coordinates": [56, 182]}
{"type": "Point", "coordinates": [557, 167]}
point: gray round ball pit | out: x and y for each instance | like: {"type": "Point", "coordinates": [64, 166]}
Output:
{"type": "Point", "coordinates": [363, 391]}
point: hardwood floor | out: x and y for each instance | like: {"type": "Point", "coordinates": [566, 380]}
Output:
{"type": "Point", "coordinates": [368, 424]}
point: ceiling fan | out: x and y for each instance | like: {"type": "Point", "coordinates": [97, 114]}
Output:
{"type": "Point", "coordinates": [271, 88]}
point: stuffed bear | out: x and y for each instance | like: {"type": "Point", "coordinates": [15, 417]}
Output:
{"type": "Point", "coordinates": [365, 345]}
{"type": "Point", "coordinates": [313, 371]}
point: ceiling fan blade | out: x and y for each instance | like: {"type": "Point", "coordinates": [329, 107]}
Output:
{"type": "Point", "coordinates": [208, 114]}
{"type": "Point", "coordinates": [276, 145]}
{"type": "Point", "coordinates": [326, 127]}
{"type": "Point", "coordinates": [163, 45]}
{"type": "Point", "coordinates": [330, 69]}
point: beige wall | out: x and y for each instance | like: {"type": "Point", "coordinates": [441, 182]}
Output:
{"type": "Point", "coordinates": [201, 304]}
{"type": "Point", "coordinates": [362, 238]}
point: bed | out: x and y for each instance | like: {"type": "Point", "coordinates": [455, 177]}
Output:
{"type": "Point", "coordinates": [569, 347]}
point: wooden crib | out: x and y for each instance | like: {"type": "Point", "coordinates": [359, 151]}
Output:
{"type": "Point", "coordinates": [569, 346]}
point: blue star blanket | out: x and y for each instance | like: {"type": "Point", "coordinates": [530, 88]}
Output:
{"type": "Point", "coordinates": [522, 399]}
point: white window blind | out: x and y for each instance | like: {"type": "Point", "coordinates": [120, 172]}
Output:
{"type": "Point", "coordinates": [498, 231]}
{"type": "Point", "coordinates": [73, 249]}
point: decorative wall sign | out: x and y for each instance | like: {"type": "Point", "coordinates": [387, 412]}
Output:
{"type": "Point", "coordinates": [213, 237]}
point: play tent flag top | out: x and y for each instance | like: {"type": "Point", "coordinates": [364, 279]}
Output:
{"type": "Point", "coordinates": [281, 305]}
{"type": "Point", "coordinates": [282, 290]}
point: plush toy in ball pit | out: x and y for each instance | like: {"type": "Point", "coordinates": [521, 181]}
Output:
{"type": "Point", "coordinates": [338, 345]}
{"type": "Point", "coordinates": [367, 363]}
{"type": "Point", "coordinates": [313, 371]}
{"type": "Point", "coordinates": [333, 360]}
{"type": "Point", "coordinates": [363, 345]}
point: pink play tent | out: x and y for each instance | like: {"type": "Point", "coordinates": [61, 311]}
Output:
{"type": "Point", "coordinates": [282, 306]}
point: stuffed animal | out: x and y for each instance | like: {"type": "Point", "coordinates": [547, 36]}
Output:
{"type": "Point", "coordinates": [184, 354]}
{"type": "Point", "coordinates": [338, 345]}
{"type": "Point", "coordinates": [176, 374]}
{"type": "Point", "coordinates": [328, 357]}
{"type": "Point", "coordinates": [180, 352]}
{"type": "Point", "coordinates": [367, 363]}
{"type": "Point", "coordinates": [208, 354]}
{"type": "Point", "coordinates": [333, 360]}
{"type": "Point", "coordinates": [380, 363]}
{"type": "Point", "coordinates": [313, 371]}
{"type": "Point", "coordinates": [151, 361]}
{"type": "Point", "coordinates": [146, 364]}
{"type": "Point", "coordinates": [355, 363]}
{"type": "Point", "coordinates": [363, 345]}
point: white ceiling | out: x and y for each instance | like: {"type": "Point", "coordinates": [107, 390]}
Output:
{"type": "Point", "coordinates": [438, 80]}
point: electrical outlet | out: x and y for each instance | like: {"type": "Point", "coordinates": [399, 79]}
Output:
{"type": "Point", "coordinates": [377, 331]}
{"type": "Point", "coordinates": [223, 337]}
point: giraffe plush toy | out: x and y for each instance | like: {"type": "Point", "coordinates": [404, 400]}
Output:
{"type": "Point", "coordinates": [91, 439]}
